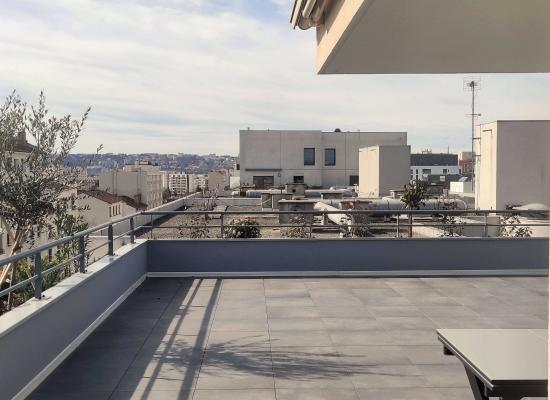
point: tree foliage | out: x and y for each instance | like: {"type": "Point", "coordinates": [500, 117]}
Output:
{"type": "Point", "coordinates": [299, 228]}
{"type": "Point", "coordinates": [35, 185]}
{"type": "Point", "coordinates": [509, 227]}
{"type": "Point", "coordinates": [242, 228]}
{"type": "Point", "coordinates": [413, 196]}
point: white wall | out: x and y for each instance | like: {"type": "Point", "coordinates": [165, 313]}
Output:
{"type": "Point", "coordinates": [514, 163]}
{"type": "Point", "coordinates": [383, 168]}
{"type": "Point", "coordinates": [280, 154]}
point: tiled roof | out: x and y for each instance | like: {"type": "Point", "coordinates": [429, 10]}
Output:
{"type": "Point", "coordinates": [434, 159]}
{"type": "Point", "coordinates": [103, 196]}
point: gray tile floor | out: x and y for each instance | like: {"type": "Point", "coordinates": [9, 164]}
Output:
{"type": "Point", "coordinates": [256, 339]}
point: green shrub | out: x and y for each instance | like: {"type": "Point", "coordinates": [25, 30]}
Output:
{"type": "Point", "coordinates": [242, 228]}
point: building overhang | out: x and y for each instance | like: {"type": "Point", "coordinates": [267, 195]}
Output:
{"type": "Point", "coordinates": [429, 36]}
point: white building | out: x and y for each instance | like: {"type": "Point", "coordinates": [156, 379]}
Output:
{"type": "Point", "coordinates": [383, 168]}
{"type": "Point", "coordinates": [319, 159]}
{"type": "Point", "coordinates": [142, 182]}
{"type": "Point", "coordinates": [178, 183]}
{"type": "Point", "coordinates": [513, 166]}
{"type": "Point", "coordinates": [424, 164]}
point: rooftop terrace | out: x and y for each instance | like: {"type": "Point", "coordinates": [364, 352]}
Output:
{"type": "Point", "coordinates": [310, 338]}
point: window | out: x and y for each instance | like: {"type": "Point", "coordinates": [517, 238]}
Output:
{"type": "Point", "coordinates": [354, 180]}
{"type": "Point", "coordinates": [330, 157]}
{"type": "Point", "coordinates": [262, 182]}
{"type": "Point", "coordinates": [309, 156]}
{"type": "Point", "coordinates": [299, 179]}
{"type": "Point", "coordinates": [426, 171]}
{"type": "Point", "coordinates": [445, 171]}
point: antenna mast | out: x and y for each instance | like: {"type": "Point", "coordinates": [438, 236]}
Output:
{"type": "Point", "coordinates": [473, 84]}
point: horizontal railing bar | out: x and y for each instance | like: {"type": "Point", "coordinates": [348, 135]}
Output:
{"type": "Point", "coordinates": [378, 225]}
{"type": "Point", "coordinates": [97, 247]}
{"type": "Point", "coordinates": [121, 235]}
{"type": "Point", "coordinates": [17, 286]}
{"type": "Point", "coordinates": [62, 265]}
{"type": "Point", "coordinates": [398, 212]}
{"type": "Point", "coordinates": [375, 212]}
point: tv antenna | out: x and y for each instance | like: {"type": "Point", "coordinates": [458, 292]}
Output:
{"type": "Point", "coordinates": [473, 84]}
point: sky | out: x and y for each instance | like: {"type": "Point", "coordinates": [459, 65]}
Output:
{"type": "Point", "coordinates": [173, 76]}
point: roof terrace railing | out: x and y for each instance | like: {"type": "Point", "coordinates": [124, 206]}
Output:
{"type": "Point", "coordinates": [439, 219]}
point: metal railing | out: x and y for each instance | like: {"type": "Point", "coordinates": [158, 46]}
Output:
{"type": "Point", "coordinates": [393, 216]}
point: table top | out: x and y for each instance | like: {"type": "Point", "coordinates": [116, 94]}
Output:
{"type": "Point", "coordinates": [501, 356]}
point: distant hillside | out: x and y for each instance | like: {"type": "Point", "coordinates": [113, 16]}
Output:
{"type": "Point", "coordinates": [189, 163]}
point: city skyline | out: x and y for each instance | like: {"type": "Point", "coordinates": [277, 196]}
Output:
{"type": "Point", "coordinates": [131, 62]}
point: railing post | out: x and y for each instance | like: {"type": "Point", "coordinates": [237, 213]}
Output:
{"type": "Point", "coordinates": [38, 274]}
{"type": "Point", "coordinates": [151, 227]}
{"type": "Point", "coordinates": [398, 225]}
{"type": "Point", "coordinates": [485, 228]}
{"type": "Point", "coordinates": [110, 240]}
{"type": "Point", "coordinates": [132, 229]}
{"type": "Point", "coordinates": [82, 252]}
{"type": "Point", "coordinates": [221, 224]}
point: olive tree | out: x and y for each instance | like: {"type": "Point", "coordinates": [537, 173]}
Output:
{"type": "Point", "coordinates": [34, 184]}
{"type": "Point", "coordinates": [413, 196]}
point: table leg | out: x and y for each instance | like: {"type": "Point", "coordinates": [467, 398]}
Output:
{"type": "Point", "coordinates": [478, 388]}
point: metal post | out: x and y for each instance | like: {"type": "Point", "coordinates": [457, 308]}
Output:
{"type": "Point", "coordinates": [221, 224]}
{"type": "Point", "coordinates": [398, 217]}
{"type": "Point", "coordinates": [82, 252]}
{"type": "Point", "coordinates": [132, 233]}
{"type": "Point", "coordinates": [38, 274]}
{"type": "Point", "coordinates": [110, 240]}
{"type": "Point", "coordinates": [151, 227]}
{"type": "Point", "coordinates": [485, 228]}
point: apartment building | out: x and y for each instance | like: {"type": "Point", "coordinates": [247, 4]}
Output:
{"type": "Point", "coordinates": [178, 183]}
{"type": "Point", "coordinates": [270, 158]}
{"type": "Point", "coordinates": [141, 181]}
{"type": "Point", "coordinates": [513, 164]}
{"type": "Point", "coordinates": [425, 164]}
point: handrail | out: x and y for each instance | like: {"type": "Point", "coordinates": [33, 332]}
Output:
{"type": "Point", "coordinates": [355, 211]}
{"type": "Point", "coordinates": [83, 252]}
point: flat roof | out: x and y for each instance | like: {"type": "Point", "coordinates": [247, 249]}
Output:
{"type": "Point", "coordinates": [329, 338]}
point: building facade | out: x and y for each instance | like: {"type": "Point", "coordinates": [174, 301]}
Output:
{"type": "Point", "coordinates": [272, 158]}
{"type": "Point", "coordinates": [425, 164]}
{"type": "Point", "coordinates": [98, 207]}
{"type": "Point", "coordinates": [178, 183]}
{"type": "Point", "coordinates": [142, 182]}
{"type": "Point", "coordinates": [512, 164]}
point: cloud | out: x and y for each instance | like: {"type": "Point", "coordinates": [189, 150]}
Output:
{"type": "Point", "coordinates": [185, 75]}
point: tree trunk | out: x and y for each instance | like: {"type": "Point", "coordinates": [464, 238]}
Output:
{"type": "Point", "coordinates": [17, 246]}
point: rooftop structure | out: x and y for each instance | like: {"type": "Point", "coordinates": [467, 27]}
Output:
{"type": "Point", "coordinates": [273, 158]}
{"type": "Point", "coordinates": [513, 167]}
